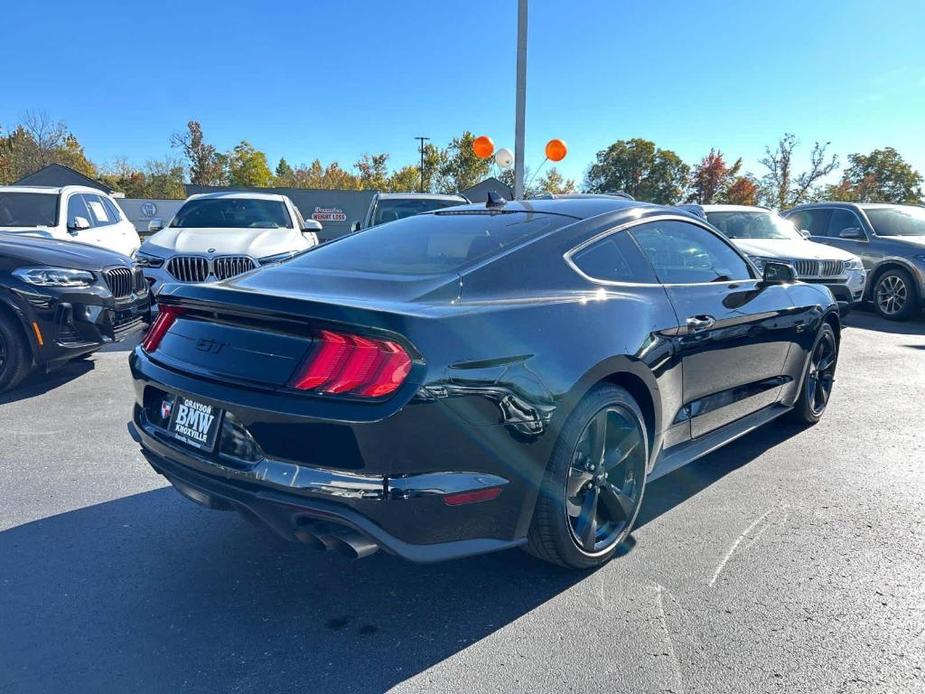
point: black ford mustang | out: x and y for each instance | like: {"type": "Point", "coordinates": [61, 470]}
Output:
{"type": "Point", "coordinates": [477, 378]}
{"type": "Point", "coordinates": [60, 300]}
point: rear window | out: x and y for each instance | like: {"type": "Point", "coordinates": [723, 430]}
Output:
{"type": "Point", "coordinates": [392, 210]}
{"type": "Point", "coordinates": [28, 209]}
{"type": "Point", "coordinates": [430, 243]}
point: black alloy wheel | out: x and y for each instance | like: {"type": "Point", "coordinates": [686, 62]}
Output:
{"type": "Point", "coordinates": [594, 482]}
{"type": "Point", "coordinates": [819, 378]}
{"type": "Point", "coordinates": [15, 356]}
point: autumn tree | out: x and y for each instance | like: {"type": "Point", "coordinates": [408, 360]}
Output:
{"type": "Point", "coordinates": [553, 182]}
{"type": "Point", "coordinates": [743, 190]}
{"type": "Point", "coordinates": [641, 169]}
{"type": "Point", "coordinates": [206, 164]}
{"type": "Point", "coordinates": [712, 177]}
{"type": "Point", "coordinates": [247, 166]}
{"type": "Point", "coordinates": [373, 171]}
{"type": "Point", "coordinates": [881, 176]}
{"type": "Point", "coordinates": [407, 179]}
{"type": "Point", "coordinates": [37, 142]}
{"type": "Point", "coordinates": [781, 187]}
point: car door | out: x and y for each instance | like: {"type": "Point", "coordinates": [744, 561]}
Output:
{"type": "Point", "coordinates": [735, 331]}
{"type": "Point", "coordinates": [79, 220]}
{"type": "Point", "coordinates": [128, 240]}
{"type": "Point", "coordinates": [843, 222]}
{"type": "Point", "coordinates": [105, 221]}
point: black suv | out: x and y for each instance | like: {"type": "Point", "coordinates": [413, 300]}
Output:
{"type": "Point", "coordinates": [889, 239]}
{"type": "Point", "coordinates": [60, 300]}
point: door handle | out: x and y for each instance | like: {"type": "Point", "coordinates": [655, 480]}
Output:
{"type": "Point", "coordinates": [702, 322]}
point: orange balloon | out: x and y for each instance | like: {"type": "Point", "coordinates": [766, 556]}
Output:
{"type": "Point", "coordinates": [556, 150]}
{"type": "Point", "coordinates": [483, 147]}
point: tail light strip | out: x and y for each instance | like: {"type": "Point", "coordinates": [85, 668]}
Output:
{"type": "Point", "coordinates": [343, 363]}
{"type": "Point", "coordinates": [160, 326]}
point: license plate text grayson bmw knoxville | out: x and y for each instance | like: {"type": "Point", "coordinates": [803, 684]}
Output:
{"type": "Point", "coordinates": [478, 378]}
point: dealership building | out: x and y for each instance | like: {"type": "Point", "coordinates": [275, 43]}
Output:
{"type": "Point", "coordinates": [335, 210]}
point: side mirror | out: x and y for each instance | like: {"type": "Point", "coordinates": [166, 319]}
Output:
{"type": "Point", "coordinates": [355, 226]}
{"type": "Point", "coordinates": [155, 224]}
{"type": "Point", "coordinates": [779, 273]}
{"type": "Point", "coordinates": [805, 233]}
{"type": "Point", "coordinates": [78, 224]}
{"type": "Point", "coordinates": [851, 233]}
{"type": "Point", "coordinates": [311, 225]}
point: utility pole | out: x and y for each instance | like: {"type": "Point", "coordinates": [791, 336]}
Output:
{"type": "Point", "coordinates": [423, 140]}
{"type": "Point", "coordinates": [521, 105]}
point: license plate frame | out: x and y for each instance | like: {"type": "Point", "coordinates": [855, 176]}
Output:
{"type": "Point", "coordinates": [194, 423]}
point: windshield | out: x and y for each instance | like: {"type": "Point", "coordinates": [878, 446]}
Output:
{"type": "Point", "coordinates": [28, 209]}
{"type": "Point", "coordinates": [233, 213]}
{"type": "Point", "coordinates": [753, 225]}
{"type": "Point", "coordinates": [897, 221]}
{"type": "Point", "coordinates": [429, 244]}
{"type": "Point", "coordinates": [390, 210]}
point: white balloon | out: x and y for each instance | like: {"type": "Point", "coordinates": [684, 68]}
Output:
{"type": "Point", "coordinates": [504, 158]}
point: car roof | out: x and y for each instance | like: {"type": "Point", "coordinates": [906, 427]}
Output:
{"type": "Point", "coordinates": [579, 208]}
{"type": "Point", "coordinates": [51, 190]}
{"type": "Point", "coordinates": [238, 195]}
{"type": "Point", "coordinates": [734, 208]}
{"type": "Point", "coordinates": [421, 196]}
{"type": "Point", "coordinates": [848, 205]}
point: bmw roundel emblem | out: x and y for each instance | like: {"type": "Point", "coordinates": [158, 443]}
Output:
{"type": "Point", "coordinates": [211, 250]}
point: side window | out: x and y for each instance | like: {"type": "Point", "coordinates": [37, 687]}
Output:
{"type": "Point", "coordinates": [842, 219]}
{"type": "Point", "coordinates": [76, 207]}
{"type": "Point", "coordinates": [683, 253]}
{"type": "Point", "coordinates": [99, 216]}
{"type": "Point", "coordinates": [816, 222]}
{"type": "Point", "coordinates": [114, 214]}
{"type": "Point", "coordinates": [615, 258]}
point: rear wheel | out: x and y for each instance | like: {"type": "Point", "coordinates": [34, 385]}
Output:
{"type": "Point", "coordinates": [594, 482]}
{"type": "Point", "coordinates": [820, 375]}
{"type": "Point", "coordinates": [894, 295]}
{"type": "Point", "coordinates": [14, 355]}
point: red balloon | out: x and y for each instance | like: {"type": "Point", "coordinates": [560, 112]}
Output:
{"type": "Point", "coordinates": [483, 147]}
{"type": "Point", "coordinates": [556, 150]}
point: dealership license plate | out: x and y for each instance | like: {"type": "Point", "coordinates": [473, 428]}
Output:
{"type": "Point", "coordinates": [194, 423]}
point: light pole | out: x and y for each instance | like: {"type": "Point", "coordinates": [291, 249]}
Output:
{"type": "Point", "coordinates": [423, 140]}
{"type": "Point", "coordinates": [521, 100]}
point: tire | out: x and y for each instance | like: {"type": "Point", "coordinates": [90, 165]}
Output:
{"type": "Point", "coordinates": [15, 355]}
{"type": "Point", "coordinates": [894, 295]}
{"type": "Point", "coordinates": [818, 377]}
{"type": "Point", "coordinates": [588, 468]}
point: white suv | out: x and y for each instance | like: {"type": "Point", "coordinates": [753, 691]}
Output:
{"type": "Point", "coordinates": [215, 236]}
{"type": "Point", "coordinates": [69, 213]}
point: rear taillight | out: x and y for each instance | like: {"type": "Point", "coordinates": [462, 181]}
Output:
{"type": "Point", "coordinates": [160, 326]}
{"type": "Point", "coordinates": [346, 364]}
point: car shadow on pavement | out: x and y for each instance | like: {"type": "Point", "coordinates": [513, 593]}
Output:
{"type": "Point", "coordinates": [41, 382]}
{"type": "Point", "coordinates": [151, 593]}
{"type": "Point", "coordinates": [867, 320]}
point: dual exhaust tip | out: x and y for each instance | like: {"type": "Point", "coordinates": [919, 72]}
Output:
{"type": "Point", "coordinates": [337, 538]}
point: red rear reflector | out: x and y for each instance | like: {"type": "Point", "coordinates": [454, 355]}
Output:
{"type": "Point", "coordinates": [354, 364]}
{"type": "Point", "coordinates": [160, 326]}
{"type": "Point", "coordinates": [474, 497]}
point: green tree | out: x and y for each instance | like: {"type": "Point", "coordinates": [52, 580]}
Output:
{"type": "Point", "coordinates": [711, 177]}
{"type": "Point", "coordinates": [206, 164]}
{"type": "Point", "coordinates": [284, 173]}
{"type": "Point", "coordinates": [781, 187]}
{"type": "Point", "coordinates": [459, 168]}
{"type": "Point", "coordinates": [164, 179]}
{"type": "Point", "coordinates": [553, 182]}
{"type": "Point", "coordinates": [248, 166]}
{"type": "Point", "coordinates": [881, 176]}
{"type": "Point", "coordinates": [405, 180]}
{"type": "Point", "coordinates": [37, 142]}
{"type": "Point", "coordinates": [374, 171]}
{"type": "Point", "coordinates": [641, 169]}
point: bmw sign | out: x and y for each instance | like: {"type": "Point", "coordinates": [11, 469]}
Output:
{"type": "Point", "coordinates": [148, 208]}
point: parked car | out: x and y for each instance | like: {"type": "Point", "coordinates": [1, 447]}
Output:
{"type": "Point", "coordinates": [60, 300]}
{"type": "Point", "coordinates": [890, 240]}
{"type": "Point", "coordinates": [764, 235]}
{"type": "Point", "coordinates": [388, 207]}
{"type": "Point", "coordinates": [68, 213]}
{"type": "Point", "coordinates": [215, 236]}
{"type": "Point", "coordinates": [479, 378]}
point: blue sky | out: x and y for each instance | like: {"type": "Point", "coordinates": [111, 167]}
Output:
{"type": "Point", "coordinates": [333, 80]}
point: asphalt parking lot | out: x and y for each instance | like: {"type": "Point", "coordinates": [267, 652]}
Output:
{"type": "Point", "coordinates": [792, 560]}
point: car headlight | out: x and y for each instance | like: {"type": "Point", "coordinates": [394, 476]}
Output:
{"type": "Point", "coordinates": [54, 276]}
{"type": "Point", "coordinates": [278, 257]}
{"type": "Point", "coordinates": [854, 264]}
{"type": "Point", "coordinates": [759, 261]}
{"type": "Point", "coordinates": [147, 260]}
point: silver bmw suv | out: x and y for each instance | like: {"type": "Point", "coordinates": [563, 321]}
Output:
{"type": "Point", "coordinates": [889, 239]}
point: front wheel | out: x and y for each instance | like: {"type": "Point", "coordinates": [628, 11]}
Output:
{"type": "Point", "coordinates": [594, 482]}
{"type": "Point", "coordinates": [15, 358]}
{"type": "Point", "coordinates": [894, 295]}
{"type": "Point", "coordinates": [819, 377]}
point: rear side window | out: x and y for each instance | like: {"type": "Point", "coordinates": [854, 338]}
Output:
{"type": "Point", "coordinates": [431, 243]}
{"type": "Point", "coordinates": [841, 220]}
{"type": "Point", "coordinates": [615, 258]}
{"type": "Point", "coordinates": [683, 253]}
{"type": "Point", "coordinates": [28, 209]}
{"type": "Point", "coordinates": [111, 207]}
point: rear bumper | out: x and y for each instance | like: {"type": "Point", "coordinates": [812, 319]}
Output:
{"type": "Point", "coordinates": [289, 509]}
